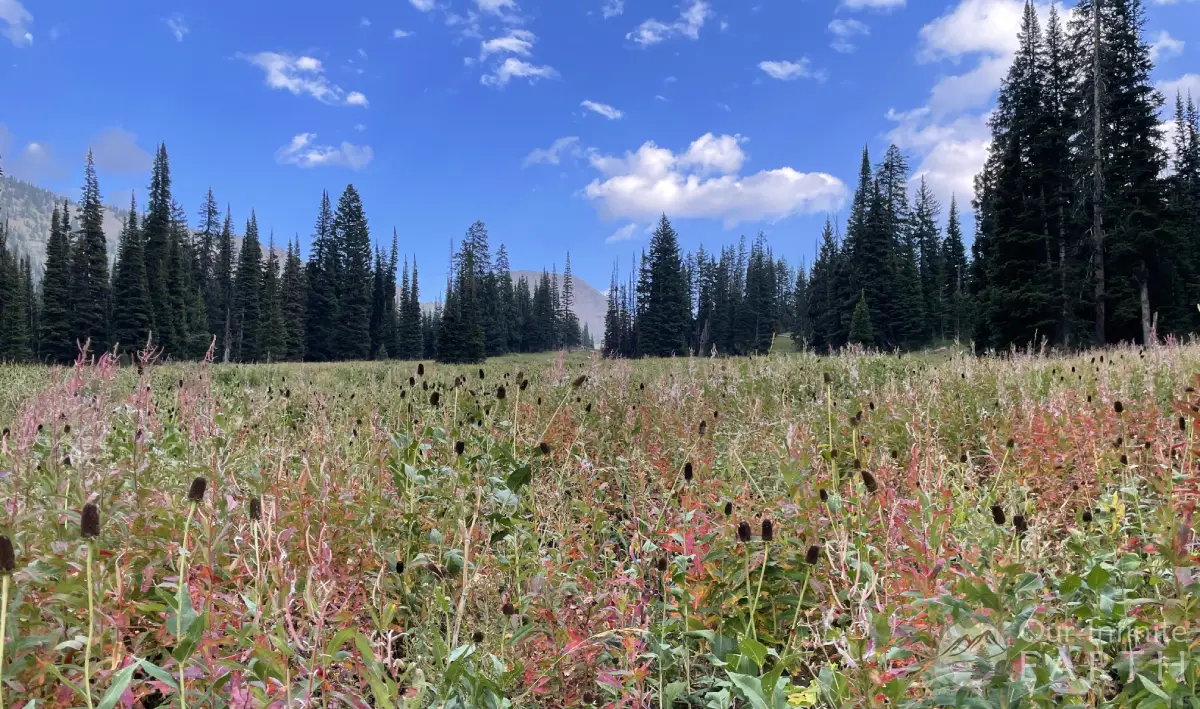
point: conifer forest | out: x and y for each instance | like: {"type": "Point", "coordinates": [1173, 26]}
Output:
{"type": "Point", "coordinates": [951, 461]}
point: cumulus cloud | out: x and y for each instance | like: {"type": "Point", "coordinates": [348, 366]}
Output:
{"type": "Point", "coordinates": [691, 19]}
{"type": "Point", "coordinates": [422, 5]}
{"type": "Point", "coordinates": [304, 151]}
{"type": "Point", "coordinates": [1188, 83]}
{"type": "Point", "coordinates": [612, 8]}
{"type": "Point", "coordinates": [703, 182]}
{"type": "Point", "coordinates": [568, 147]}
{"type": "Point", "coordinates": [603, 109]}
{"type": "Point", "coordinates": [178, 27]}
{"type": "Point", "coordinates": [515, 68]}
{"type": "Point", "coordinates": [844, 31]}
{"type": "Point", "coordinates": [400, 34]}
{"type": "Point", "coordinates": [788, 70]}
{"type": "Point", "coordinates": [302, 75]}
{"type": "Point", "coordinates": [16, 20]}
{"type": "Point", "coordinates": [1164, 45]}
{"type": "Point", "coordinates": [517, 41]}
{"type": "Point", "coordinates": [116, 150]}
{"type": "Point", "coordinates": [625, 233]}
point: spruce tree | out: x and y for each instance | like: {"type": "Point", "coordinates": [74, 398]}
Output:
{"type": "Point", "coordinates": [504, 302]}
{"type": "Point", "coordinates": [247, 295]}
{"type": "Point", "coordinates": [132, 314]}
{"type": "Point", "coordinates": [208, 239]}
{"type": "Point", "coordinates": [13, 311]}
{"type": "Point", "coordinates": [57, 332]}
{"type": "Point", "coordinates": [156, 235]}
{"type": "Point", "coordinates": [570, 321]}
{"type": "Point", "coordinates": [930, 259]}
{"type": "Point", "coordinates": [664, 322]}
{"type": "Point", "coordinates": [323, 273]}
{"type": "Point", "coordinates": [89, 267]}
{"type": "Point", "coordinates": [354, 293]}
{"type": "Point", "coordinates": [223, 287]}
{"type": "Point", "coordinates": [955, 287]}
{"type": "Point", "coordinates": [272, 338]}
{"type": "Point", "coordinates": [293, 292]}
{"type": "Point", "coordinates": [861, 332]}
{"type": "Point", "coordinates": [825, 302]}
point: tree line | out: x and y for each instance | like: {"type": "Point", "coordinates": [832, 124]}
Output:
{"type": "Point", "coordinates": [1087, 228]}
{"type": "Point", "coordinates": [180, 292]}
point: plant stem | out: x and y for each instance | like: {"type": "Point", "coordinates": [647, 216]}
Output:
{"type": "Point", "coordinates": [3, 622]}
{"type": "Point", "coordinates": [754, 599]}
{"type": "Point", "coordinates": [179, 605]}
{"type": "Point", "coordinates": [87, 652]}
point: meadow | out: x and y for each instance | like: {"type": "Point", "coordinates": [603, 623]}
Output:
{"type": "Point", "coordinates": [861, 530]}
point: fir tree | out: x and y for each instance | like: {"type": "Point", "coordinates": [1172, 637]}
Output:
{"type": "Point", "coordinates": [354, 294]}
{"type": "Point", "coordinates": [272, 341]}
{"type": "Point", "coordinates": [293, 294]}
{"type": "Point", "coordinates": [132, 314]}
{"type": "Point", "coordinates": [664, 322]}
{"type": "Point", "coordinates": [955, 289]}
{"type": "Point", "coordinates": [156, 235]}
{"type": "Point", "coordinates": [930, 259]}
{"type": "Point", "coordinates": [223, 287]}
{"type": "Point", "coordinates": [570, 321]}
{"type": "Point", "coordinates": [89, 267]}
{"type": "Point", "coordinates": [861, 332]}
{"type": "Point", "coordinates": [57, 332]}
{"type": "Point", "coordinates": [247, 295]}
{"type": "Point", "coordinates": [323, 275]}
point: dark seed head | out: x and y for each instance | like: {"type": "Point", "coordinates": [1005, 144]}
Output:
{"type": "Point", "coordinates": [459, 447]}
{"type": "Point", "coordinates": [481, 374]}
{"type": "Point", "coordinates": [196, 491]}
{"type": "Point", "coordinates": [1087, 515]}
{"type": "Point", "coordinates": [728, 508]}
{"type": "Point", "coordinates": [703, 427]}
{"type": "Point", "coordinates": [1124, 459]}
{"type": "Point", "coordinates": [687, 471]}
{"type": "Point", "coordinates": [588, 408]}
{"type": "Point", "coordinates": [501, 392]}
{"type": "Point", "coordinates": [1019, 524]}
{"type": "Point", "coordinates": [508, 609]}
{"type": "Point", "coordinates": [400, 566]}
{"type": "Point", "coordinates": [998, 514]}
{"type": "Point", "coordinates": [434, 398]}
{"type": "Point", "coordinates": [813, 555]}
{"type": "Point", "coordinates": [1182, 425]}
{"type": "Point", "coordinates": [524, 384]}
{"type": "Point", "coordinates": [1118, 406]}
{"type": "Point", "coordinates": [421, 369]}
{"type": "Point", "coordinates": [477, 636]}
{"type": "Point", "coordinates": [768, 530]}
{"type": "Point", "coordinates": [89, 521]}
{"type": "Point", "coordinates": [869, 481]}
{"type": "Point", "coordinates": [662, 564]}
{"type": "Point", "coordinates": [743, 531]}
{"type": "Point", "coordinates": [544, 447]}
{"type": "Point", "coordinates": [8, 558]}
{"type": "Point", "coordinates": [962, 458]}
{"type": "Point", "coordinates": [1011, 442]}
{"type": "Point", "coordinates": [826, 377]}
{"type": "Point", "coordinates": [579, 381]}
{"type": "Point", "coordinates": [823, 494]}
{"type": "Point", "coordinates": [255, 509]}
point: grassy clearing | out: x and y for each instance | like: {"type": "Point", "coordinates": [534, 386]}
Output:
{"type": "Point", "coordinates": [770, 532]}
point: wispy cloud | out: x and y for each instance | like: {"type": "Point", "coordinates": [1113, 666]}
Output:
{"type": "Point", "coordinates": [177, 25]}
{"type": "Point", "coordinates": [116, 150]}
{"type": "Point", "coordinates": [514, 68]}
{"type": "Point", "coordinates": [612, 8]}
{"type": "Point", "coordinates": [568, 147]}
{"type": "Point", "coordinates": [302, 75]}
{"type": "Point", "coordinates": [625, 233]}
{"type": "Point", "coordinates": [843, 31]}
{"type": "Point", "coordinates": [16, 21]}
{"type": "Point", "coordinates": [789, 70]}
{"type": "Point", "coordinates": [1164, 45]}
{"type": "Point", "coordinates": [304, 151]}
{"type": "Point", "coordinates": [688, 24]}
{"type": "Point", "coordinates": [401, 34]}
{"type": "Point", "coordinates": [515, 42]}
{"type": "Point", "coordinates": [603, 109]}
{"type": "Point", "coordinates": [872, 4]}
{"type": "Point", "coordinates": [423, 5]}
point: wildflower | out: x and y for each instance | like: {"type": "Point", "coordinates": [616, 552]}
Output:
{"type": "Point", "coordinates": [255, 509]}
{"type": "Point", "coordinates": [196, 491]}
{"type": "Point", "coordinates": [687, 471]}
{"type": "Point", "coordinates": [89, 521]}
{"type": "Point", "coordinates": [768, 530]}
{"type": "Point", "coordinates": [579, 381]}
{"type": "Point", "coordinates": [813, 555]}
{"type": "Point", "coordinates": [869, 481]}
{"type": "Point", "coordinates": [743, 531]}
{"type": "Point", "coordinates": [998, 514]}
{"type": "Point", "coordinates": [8, 558]}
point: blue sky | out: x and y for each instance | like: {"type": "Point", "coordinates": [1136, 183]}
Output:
{"type": "Point", "coordinates": [563, 124]}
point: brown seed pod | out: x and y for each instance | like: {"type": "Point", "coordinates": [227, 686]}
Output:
{"type": "Point", "coordinates": [255, 509]}
{"type": "Point", "coordinates": [8, 558]}
{"type": "Point", "coordinates": [768, 530]}
{"type": "Point", "coordinates": [813, 555]}
{"type": "Point", "coordinates": [743, 532]}
{"type": "Point", "coordinates": [89, 521]}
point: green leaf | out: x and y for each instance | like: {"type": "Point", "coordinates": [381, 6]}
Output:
{"type": "Point", "coordinates": [158, 673]}
{"type": "Point", "coordinates": [519, 478]}
{"type": "Point", "coordinates": [672, 692]}
{"type": "Point", "coordinates": [119, 684]}
{"type": "Point", "coordinates": [1097, 578]}
{"type": "Point", "coordinates": [1154, 688]}
{"type": "Point", "coordinates": [751, 687]}
{"type": "Point", "coordinates": [753, 649]}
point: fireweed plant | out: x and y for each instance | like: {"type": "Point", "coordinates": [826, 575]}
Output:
{"type": "Point", "coordinates": [778, 531]}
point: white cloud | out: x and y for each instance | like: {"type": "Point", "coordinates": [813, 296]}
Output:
{"type": "Point", "coordinates": [612, 8]}
{"type": "Point", "coordinates": [603, 109]}
{"type": "Point", "coordinates": [703, 182]}
{"type": "Point", "coordinates": [844, 31]}
{"type": "Point", "coordinates": [515, 68]}
{"type": "Point", "coordinates": [302, 75]}
{"type": "Point", "coordinates": [1164, 45]}
{"type": "Point", "coordinates": [517, 41]}
{"type": "Point", "coordinates": [690, 20]}
{"type": "Point", "coordinates": [872, 4]}
{"type": "Point", "coordinates": [973, 27]}
{"type": "Point", "coordinates": [422, 5]}
{"type": "Point", "coordinates": [364, 22]}
{"type": "Point", "coordinates": [116, 150]}
{"type": "Point", "coordinates": [359, 127]}
{"type": "Point", "coordinates": [496, 7]}
{"type": "Point", "coordinates": [178, 27]}
{"type": "Point", "coordinates": [303, 151]}
{"type": "Point", "coordinates": [1186, 84]}
{"type": "Point", "coordinates": [34, 163]}
{"type": "Point", "coordinates": [788, 70]}
{"type": "Point", "coordinates": [568, 146]}
{"type": "Point", "coordinates": [625, 233]}
{"type": "Point", "coordinates": [16, 21]}
{"type": "Point", "coordinates": [400, 34]}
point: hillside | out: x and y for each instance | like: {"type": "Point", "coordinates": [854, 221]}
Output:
{"type": "Point", "coordinates": [27, 209]}
{"type": "Point", "coordinates": [590, 303]}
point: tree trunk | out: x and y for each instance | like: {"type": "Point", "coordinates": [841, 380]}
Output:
{"type": "Point", "coordinates": [1065, 315]}
{"type": "Point", "coordinates": [1147, 327]}
{"type": "Point", "coordinates": [1097, 180]}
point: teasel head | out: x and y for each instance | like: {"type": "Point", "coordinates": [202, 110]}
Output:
{"type": "Point", "coordinates": [524, 384]}
{"type": "Point", "coordinates": [196, 491]}
{"type": "Point", "coordinates": [703, 427]}
{"type": "Point", "coordinates": [255, 509]}
{"type": "Point", "coordinates": [869, 481]}
{"type": "Point", "coordinates": [8, 558]}
{"type": "Point", "coordinates": [768, 530]}
{"type": "Point", "coordinates": [998, 514]}
{"type": "Point", "coordinates": [477, 636]}
{"type": "Point", "coordinates": [501, 392]}
{"type": "Point", "coordinates": [579, 381]}
{"type": "Point", "coordinates": [400, 566]}
{"type": "Point", "coordinates": [1124, 459]}
{"type": "Point", "coordinates": [89, 521]}
{"type": "Point", "coordinates": [434, 398]}
{"type": "Point", "coordinates": [728, 508]}
{"type": "Point", "coordinates": [662, 564]}
{"type": "Point", "coordinates": [813, 555]}
{"type": "Point", "coordinates": [420, 369]}
{"type": "Point", "coordinates": [1020, 524]}
{"type": "Point", "coordinates": [823, 494]}
{"type": "Point", "coordinates": [1011, 442]}
{"type": "Point", "coordinates": [1118, 407]}
{"type": "Point", "coordinates": [743, 531]}
{"type": "Point", "coordinates": [687, 471]}
{"type": "Point", "coordinates": [459, 447]}
{"type": "Point", "coordinates": [544, 448]}
{"type": "Point", "coordinates": [508, 609]}
{"type": "Point", "coordinates": [1087, 516]}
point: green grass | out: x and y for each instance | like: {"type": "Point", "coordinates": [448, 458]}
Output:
{"type": "Point", "coordinates": [389, 570]}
